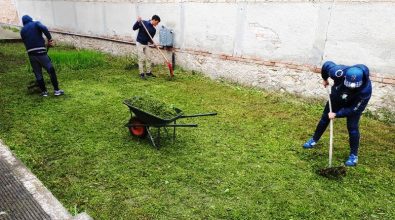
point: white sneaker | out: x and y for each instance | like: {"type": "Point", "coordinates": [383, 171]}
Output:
{"type": "Point", "coordinates": [58, 92]}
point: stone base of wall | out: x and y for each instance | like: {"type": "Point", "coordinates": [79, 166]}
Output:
{"type": "Point", "coordinates": [305, 83]}
{"type": "Point", "coordinates": [270, 75]}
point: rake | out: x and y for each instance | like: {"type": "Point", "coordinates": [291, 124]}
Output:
{"type": "Point", "coordinates": [163, 55]}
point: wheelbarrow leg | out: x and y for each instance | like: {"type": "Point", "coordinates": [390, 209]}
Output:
{"type": "Point", "coordinates": [158, 138]}
{"type": "Point", "coordinates": [166, 131]}
{"type": "Point", "coordinates": [151, 138]}
{"type": "Point", "coordinates": [174, 132]}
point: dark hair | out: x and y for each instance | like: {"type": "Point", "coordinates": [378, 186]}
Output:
{"type": "Point", "coordinates": [155, 17]}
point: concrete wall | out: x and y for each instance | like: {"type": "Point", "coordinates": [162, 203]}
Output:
{"type": "Point", "coordinates": [274, 44]}
{"type": "Point", "coordinates": [8, 13]}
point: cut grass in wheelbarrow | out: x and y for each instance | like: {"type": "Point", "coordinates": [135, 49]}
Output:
{"type": "Point", "coordinates": [142, 119]}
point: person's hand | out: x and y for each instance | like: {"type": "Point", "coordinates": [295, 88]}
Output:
{"type": "Point", "coordinates": [325, 83]}
{"type": "Point", "coordinates": [331, 115]}
{"type": "Point", "coordinates": [51, 43]}
{"type": "Point", "coordinates": [138, 18]}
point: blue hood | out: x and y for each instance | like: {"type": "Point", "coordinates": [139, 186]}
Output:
{"type": "Point", "coordinates": [26, 19]}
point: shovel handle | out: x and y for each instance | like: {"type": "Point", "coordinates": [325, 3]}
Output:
{"type": "Point", "coordinates": [330, 129]}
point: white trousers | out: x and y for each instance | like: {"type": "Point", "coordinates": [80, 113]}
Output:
{"type": "Point", "coordinates": [143, 58]}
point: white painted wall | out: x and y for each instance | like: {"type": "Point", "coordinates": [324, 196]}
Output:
{"type": "Point", "coordinates": [363, 32]}
{"type": "Point", "coordinates": [8, 13]}
{"type": "Point", "coordinates": [300, 31]}
{"type": "Point", "coordinates": [280, 31]}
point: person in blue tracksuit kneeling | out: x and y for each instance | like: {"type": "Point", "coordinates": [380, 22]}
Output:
{"type": "Point", "coordinates": [350, 95]}
{"type": "Point", "coordinates": [32, 36]}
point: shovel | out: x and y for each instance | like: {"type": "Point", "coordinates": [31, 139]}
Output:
{"type": "Point", "coordinates": [167, 61]}
{"type": "Point", "coordinates": [331, 172]}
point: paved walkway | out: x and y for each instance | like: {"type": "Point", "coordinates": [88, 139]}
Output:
{"type": "Point", "coordinates": [7, 34]}
{"type": "Point", "coordinates": [23, 196]}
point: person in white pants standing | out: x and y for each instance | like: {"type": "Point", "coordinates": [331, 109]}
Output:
{"type": "Point", "coordinates": [143, 38]}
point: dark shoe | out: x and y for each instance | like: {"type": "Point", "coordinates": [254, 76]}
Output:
{"type": "Point", "coordinates": [150, 74]}
{"type": "Point", "coordinates": [44, 94]}
{"type": "Point", "coordinates": [142, 76]}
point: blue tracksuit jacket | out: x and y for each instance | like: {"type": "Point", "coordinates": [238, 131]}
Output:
{"type": "Point", "coordinates": [32, 35]}
{"type": "Point", "coordinates": [349, 101]}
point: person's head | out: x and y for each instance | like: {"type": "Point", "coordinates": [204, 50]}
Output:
{"type": "Point", "coordinates": [155, 20]}
{"type": "Point", "coordinates": [327, 66]}
{"type": "Point", "coordinates": [353, 77]}
{"type": "Point", "coordinates": [26, 19]}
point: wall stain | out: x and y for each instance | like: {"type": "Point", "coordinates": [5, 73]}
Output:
{"type": "Point", "coordinates": [265, 35]}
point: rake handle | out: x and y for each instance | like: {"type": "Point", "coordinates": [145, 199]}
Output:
{"type": "Point", "coordinates": [157, 47]}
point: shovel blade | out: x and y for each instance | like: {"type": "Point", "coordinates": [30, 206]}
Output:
{"type": "Point", "coordinates": [333, 172]}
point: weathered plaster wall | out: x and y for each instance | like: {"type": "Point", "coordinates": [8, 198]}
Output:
{"type": "Point", "coordinates": [273, 44]}
{"type": "Point", "coordinates": [8, 12]}
{"type": "Point", "coordinates": [302, 80]}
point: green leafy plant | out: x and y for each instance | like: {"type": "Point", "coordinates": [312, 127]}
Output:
{"type": "Point", "coordinates": [11, 28]}
{"type": "Point", "coordinates": [77, 60]}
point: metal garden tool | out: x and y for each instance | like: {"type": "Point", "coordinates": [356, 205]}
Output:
{"type": "Point", "coordinates": [331, 172]}
{"type": "Point", "coordinates": [167, 61]}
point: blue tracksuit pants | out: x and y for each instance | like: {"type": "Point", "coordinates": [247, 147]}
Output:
{"type": "Point", "coordinates": [352, 127]}
{"type": "Point", "coordinates": [42, 61]}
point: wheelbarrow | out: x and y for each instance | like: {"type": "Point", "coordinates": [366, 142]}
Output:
{"type": "Point", "coordinates": [141, 121]}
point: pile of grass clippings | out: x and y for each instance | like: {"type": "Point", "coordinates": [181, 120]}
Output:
{"type": "Point", "coordinates": [153, 106]}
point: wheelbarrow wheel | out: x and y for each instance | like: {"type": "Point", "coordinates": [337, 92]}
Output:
{"type": "Point", "coordinates": [135, 130]}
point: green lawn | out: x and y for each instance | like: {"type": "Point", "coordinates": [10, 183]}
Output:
{"type": "Point", "coordinates": [245, 163]}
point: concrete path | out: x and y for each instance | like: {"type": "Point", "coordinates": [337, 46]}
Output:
{"type": "Point", "coordinates": [7, 34]}
{"type": "Point", "coordinates": [23, 196]}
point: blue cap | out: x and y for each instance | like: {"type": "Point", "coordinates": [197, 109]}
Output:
{"type": "Point", "coordinates": [354, 77]}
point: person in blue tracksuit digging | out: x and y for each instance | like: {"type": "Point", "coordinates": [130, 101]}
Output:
{"type": "Point", "coordinates": [32, 36]}
{"type": "Point", "coordinates": [143, 38]}
{"type": "Point", "coordinates": [350, 95]}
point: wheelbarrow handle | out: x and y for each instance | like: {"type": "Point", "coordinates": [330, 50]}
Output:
{"type": "Point", "coordinates": [198, 115]}
{"type": "Point", "coordinates": [159, 125]}
{"type": "Point", "coordinates": [180, 125]}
